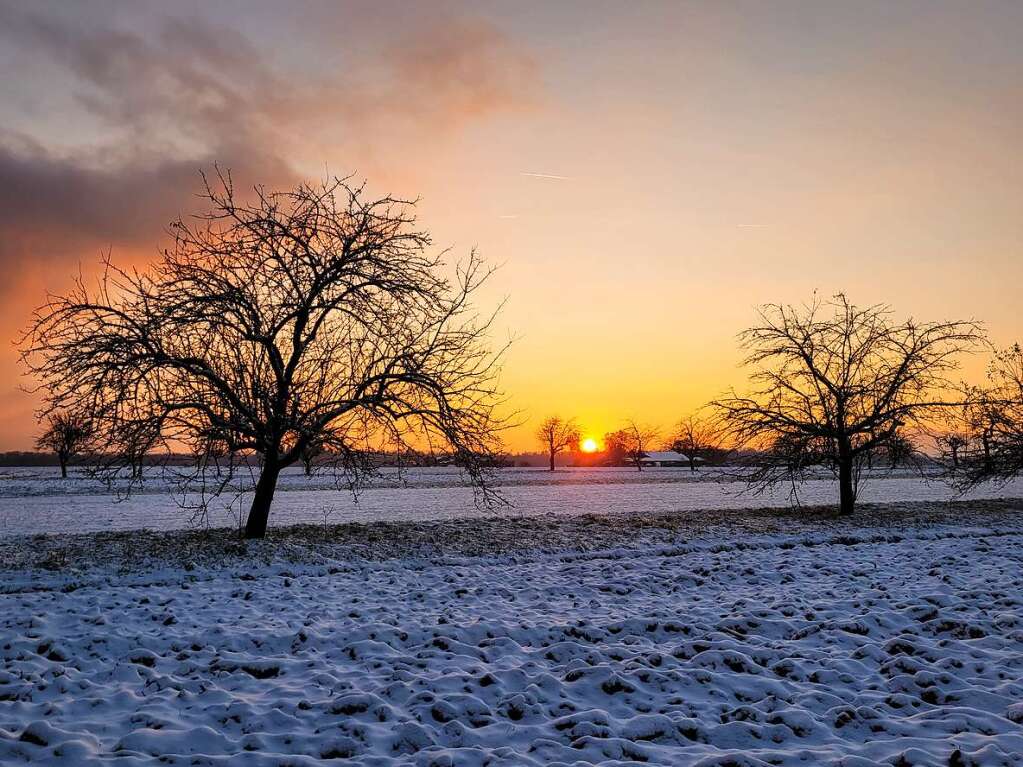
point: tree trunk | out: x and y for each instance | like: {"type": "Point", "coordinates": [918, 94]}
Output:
{"type": "Point", "coordinates": [552, 460]}
{"type": "Point", "coordinates": [692, 463]}
{"type": "Point", "coordinates": [847, 496]}
{"type": "Point", "coordinates": [259, 513]}
{"type": "Point", "coordinates": [63, 467]}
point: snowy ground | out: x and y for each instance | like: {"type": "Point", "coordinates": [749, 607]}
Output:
{"type": "Point", "coordinates": [37, 500]}
{"type": "Point", "coordinates": [732, 639]}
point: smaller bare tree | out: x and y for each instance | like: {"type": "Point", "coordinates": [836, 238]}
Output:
{"type": "Point", "coordinates": [556, 435]}
{"type": "Point", "coordinates": [138, 441]}
{"type": "Point", "coordinates": [695, 438]}
{"type": "Point", "coordinates": [631, 442]}
{"type": "Point", "coordinates": [66, 436]}
{"type": "Point", "coordinates": [834, 384]}
{"type": "Point", "coordinates": [992, 421]}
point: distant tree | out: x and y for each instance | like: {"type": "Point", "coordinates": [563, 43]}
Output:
{"type": "Point", "coordinates": [833, 383]}
{"type": "Point", "coordinates": [992, 422]}
{"type": "Point", "coordinates": [793, 453]}
{"type": "Point", "coordinates": [695, 438]}
{"type": "Point", "coordinates": [556, 434]}
{"type": "Point", "coordinates": [630, 443]}
{"type": "Point", "coordinates": [616, 447]}
{"type": "Point", "coordinates": [66, 436]}
{"type": "Point", "coordinates": [309, 316]}
{"type": "Point", "coordinates": [953, 444]}
{"type": "Point", "coordinates": [900, 449]}
{"type": "Point", "coordinates": [137, 446]}
{"type": "Point", "coordinates": [309, 454]}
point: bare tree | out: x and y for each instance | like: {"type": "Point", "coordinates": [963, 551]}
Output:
{"type": "Point", "coordinates": [953, 444]}
{"type": "Point", "coordinates": [66, 436]}
{"type": "Point", "coordinates": [631, 442]}
{"type": "Point", "coordinates": [696, 438]}
{"type": "Point", "coordinates": [135, 441]}
{"type": "Point", "coordinates": [557, 434]}
{"type": "Point", "coordinates": [309, 455]}
{"type": "Point", "coordinates": [832, 383]}
{"type": "Point", "coordinates": [992, 423]}
{"type": "Point", "coordinates": [309, 316]}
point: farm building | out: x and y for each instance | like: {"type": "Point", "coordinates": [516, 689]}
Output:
{"type": "Point", "coordinates": [665, 458]}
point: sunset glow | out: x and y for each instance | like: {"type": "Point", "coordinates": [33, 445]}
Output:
{"type": "Point", "coordinates": [777, 169]}
{"type": "Point", "coordinates": [589, 445]}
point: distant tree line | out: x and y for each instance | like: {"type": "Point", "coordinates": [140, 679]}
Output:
{"type": "Point", "coordinates": [693, 437]}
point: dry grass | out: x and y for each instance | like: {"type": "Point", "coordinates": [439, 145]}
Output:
{"type": "Point", "coordinates": [140, 550]}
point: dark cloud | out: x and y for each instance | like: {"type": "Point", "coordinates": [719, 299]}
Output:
{"type": "Point", "coordinates": [54, 208]}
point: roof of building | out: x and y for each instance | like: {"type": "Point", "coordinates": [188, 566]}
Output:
{"type": "Point", "coordinates": [664, 455]}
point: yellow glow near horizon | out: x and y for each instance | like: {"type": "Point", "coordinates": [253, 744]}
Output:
{"type": "Point", "coordinates": [589, 445]}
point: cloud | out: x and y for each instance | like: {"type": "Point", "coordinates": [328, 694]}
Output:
{"type": "Point", "coordinates": [180, 94]}
{"type": "Point", "coordinates": [549, 176]}
{"type": "Point", "coordinates": [460, 69]}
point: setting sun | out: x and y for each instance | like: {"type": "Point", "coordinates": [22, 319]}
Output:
{"type": "Point", "coordinates": [589, 445]}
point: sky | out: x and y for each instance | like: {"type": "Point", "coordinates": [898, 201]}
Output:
{"type": "Point", "coordinates": [645, 174]}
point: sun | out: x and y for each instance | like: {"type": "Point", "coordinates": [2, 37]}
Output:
{"type": "Point", "coordinates": [589, 445]}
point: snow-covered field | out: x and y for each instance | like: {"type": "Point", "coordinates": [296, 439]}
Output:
{"type": "Point", "coordinates": [749, 639]}
{"type": "Point", "coordinates": [37, 500]}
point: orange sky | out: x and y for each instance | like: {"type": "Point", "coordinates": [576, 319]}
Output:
{"type": "Point", "coordinates": [710, 157]}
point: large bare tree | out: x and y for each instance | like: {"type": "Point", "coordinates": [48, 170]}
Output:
{"type": "Point", "coordinates": [556, 434]}
{"type": "Point", "coordinates": [311, 317]}
{"type": "Point", "coordinates": [66, 436]}
{"type": "Point", "coordinates": [833, 383]}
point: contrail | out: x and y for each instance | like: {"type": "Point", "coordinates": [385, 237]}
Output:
{"type": "Point", "coordinates": [545, 175]}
